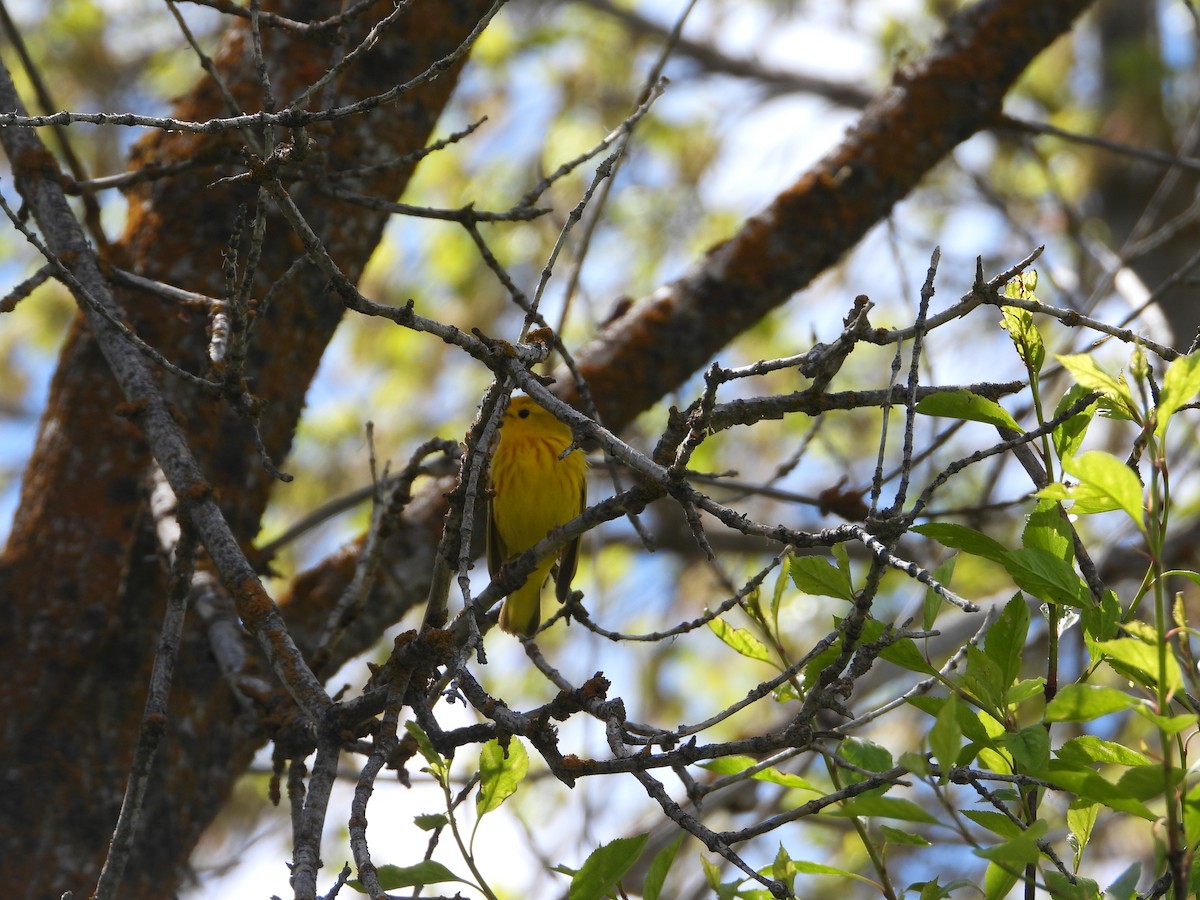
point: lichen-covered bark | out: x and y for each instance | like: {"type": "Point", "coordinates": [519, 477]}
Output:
{"type": "Point", "coordinates": [82, 584]}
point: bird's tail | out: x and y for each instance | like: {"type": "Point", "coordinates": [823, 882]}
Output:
{"type": "Point", "coordinates": [522, 610]}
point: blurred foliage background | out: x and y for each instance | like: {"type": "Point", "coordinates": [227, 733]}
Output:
{"type": "Point", "coordinates": [759, 90]}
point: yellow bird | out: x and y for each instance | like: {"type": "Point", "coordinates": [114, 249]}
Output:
{"type": "Point", "coordinates": [533, 492]}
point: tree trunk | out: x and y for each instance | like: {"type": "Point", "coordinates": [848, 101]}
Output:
{"type": "Point", "coordinates": [84, 586]}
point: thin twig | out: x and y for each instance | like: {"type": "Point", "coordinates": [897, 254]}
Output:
{"type": "Point", "coordinates": [154, 719]}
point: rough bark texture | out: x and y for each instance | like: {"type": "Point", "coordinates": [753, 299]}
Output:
{"type": "Point", "coordinates": [80, 576]}
{"type": "Point", "coordinates": [82, 581]}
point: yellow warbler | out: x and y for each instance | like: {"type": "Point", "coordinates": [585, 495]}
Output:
{"type": "Point", "coordinates": [533, 492]}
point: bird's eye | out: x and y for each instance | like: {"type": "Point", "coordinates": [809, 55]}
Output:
{"type": "Point", "coordinates": [524, 414]}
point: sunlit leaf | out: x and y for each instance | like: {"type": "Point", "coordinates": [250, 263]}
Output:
{"type": "Point", "coordinates": [1088, 374]}
{"type": "Point", "coordinates": [945, 737]}
{"type": "Point", "coordinates": [896, 836]}
{"type": "Point", "coordinates": [1180, 385]}
{"type": "Point", "coordinates": [430, 822]}
{"type": "Point", "coordinates": [740, 640]}
{"type": "Point", "coordinates": [656, 875]}
{"type": "Point", "coordinates": [1089, 748]}
{"type": "Point", "coordinates": [968, 407]}
{"type": "Point", "coordinates": [500, 773]}
{"type": "Point", "coordinates": [1140, 660]}
{"type": "Point", "coordinates": [1084, 702]}
{"type": "Point", "coordinates": [815, 575]}
{"type": "Point", "coordinates": [1045, 576]}
{"type": "Point", "coordinates": [1068, 436]}
{"type": "Point", "coordinates": [605, 867]}
{"type": "Point", "coordinates": [1105, 483]}
{"type": "Point", "coordinates": [960, 537]}
{"type": "Point", "coordinates": [1005, 640]}
{"type": "Point", "coordinates": [427, 872]}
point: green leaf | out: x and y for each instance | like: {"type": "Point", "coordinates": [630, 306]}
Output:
{"type": "Point", "coordinates": [907, 838]}
{"type": "Point", "coordinates": [1088, 374]}
{"type": "Point", "coordinates": [1147, 782]}
{"type": "Point", "coordinates": [1081, 819]}
{"type": "Point", "coordinates": [712, 873]}
{"type": "Point", "coordinates": [656, 875]}
{"type": "Point", "coordinates": [974, 726]}
{"type": "Point", "coordinates": [1020, 851]}
{"type": "Point", "coordinates": [1138, 660]}
{"type": "Point", "coordinates": [1169, 725]}
{"type": "Point", "coordinates": [865, 755]}
{"type": "Point", "coordinates": [945, 737]}
{"type": "Point", "coordinates": [1044, 575]}
{"type": "Point", "coordinates": [1068, 436]}
{"type": "Point", "coordinates": [425, 748]}
{"type": "Point", "coordinates": [777, 594]}
{"type": "Point", "coordinates": [785, 779]}
{"type": "Point", "coordinates": [1180, 385]}
{"type": "Point", "coordinates": [960, 537]}
{"type": "Point", "coordinates": [818, 663]}
{"type": "Point", "coordinates": [907, 655]}
{"type": "Point", "coordinates": [926, 704]}
{"type": "Point", "coordinates": [499, 774]}
{"type": "Point", "coordinates": [1030, 749]}
{"type": "Point", "coordinates": [1047, 529]}
{"type": "Point", "coordinates": [732, 765]}
{"type": "Point", "coordinates": [1102, 623]}
{"type": "Point", "coordinates": [430, 822]}
{"type": "Point", "coordinates": [998, 882]}
{"type": "Point", "coordinates": [996, 760]}
{"type": "Point", "coordinates": [782, 869]}
{"type": "Point", "coordinates": [968, 406]}
{"type": "Point", "coordinates": [982, 681]}
{"type": "Point", "coordinates": [729, 765]}
{"type": "Point", "coordinates": [1026, 688]}
{"type": "Point", "coordinates": [1062, 889]}
{"type": "Point", "coordinates": [1105, 483]}
{"type": "Point", "coordinates": [1019, 324]}
{"type": "Point", "coordinates": [811, 868]}
{"type": "Point", "coordinates": [1022, 286]}
{"type": "Point", "coordinates": [996, 823]}
{"type": "Point", "coordinates": [1005, 641]}
{"type": "Point", "coordinates": [1142, 631]}
{"type": "Point", "coordinates": [935, 890]}
{"type": "Point", "coordinates": [972, 721]}
{"type": "Point", "coordinates": [427, 872]}
{"type": "Point", "coordinates": [1088, 785]}
{"type": "Point", "coordinates": [1191, 813]}
{"type": "Point", "coordinates": [884, 807]}
{"type": "Point", "coordinates": [1084, 702]}
{"type": "Point", "coordinates": [914, 762]}
{"type": "Point", "coordinates": [817, 576]}
{"type": "Point", "coordinates": [740, 640]}
{"type": "Point", "coordinates": [602, 871]}
{"type": "Point", "coordinates": [785, 693]}
{"type": "Point", "coordinates": [842, 555]}
{"type": "Point", "coordinates": [1089, 749]}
